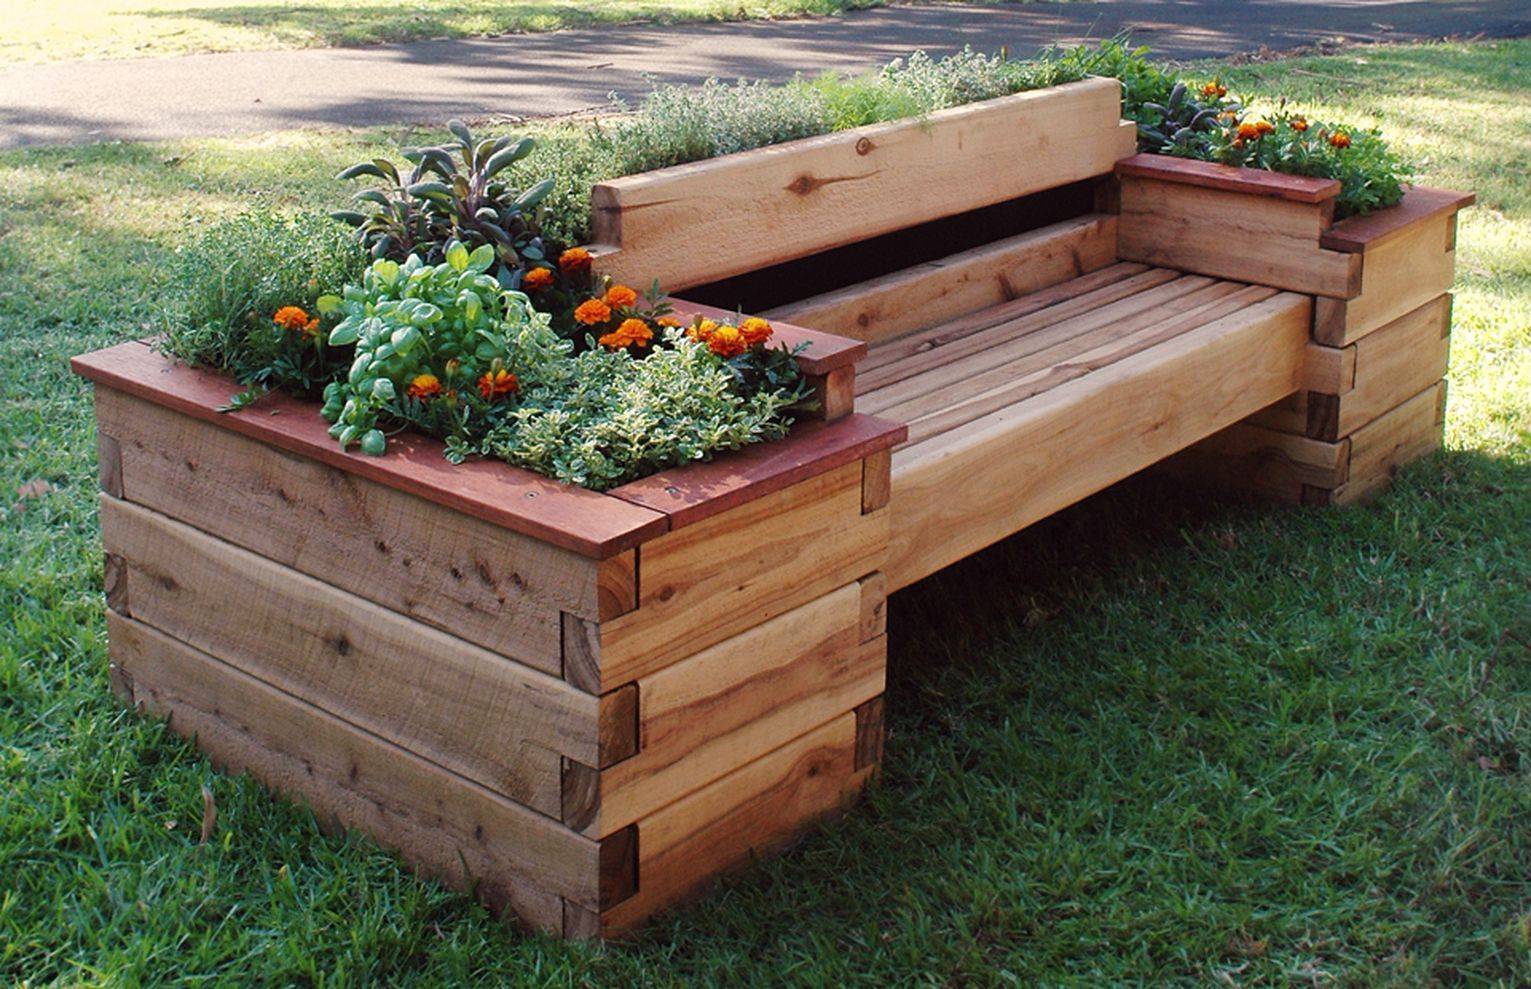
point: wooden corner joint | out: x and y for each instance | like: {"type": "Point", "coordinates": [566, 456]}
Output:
{"type": "Point", "coordinates": [618, 725]}
{"type": "Point", "coordinates": [619, 866]}
{"type": "Point", "coordinates": [122, 684]}
{"type": "Point", "coordinates": [876, 480]}
{"type": "Point", "coordinates": [874, 605]}
{"type": "Point", "coordinates": [617, 585]}
{"type": "Point", "coordinates": [870, 731]}
{"type": "Point", "coordinates": [580, 923]}
{"type": "Point", "coordinates": [835, 392]}
{"type": "Point", "coordinates": [580, 649]}
{"type": "Point", "coordinates": [114, 579]}
{"type": "Point", "coordinates": [109, 464]}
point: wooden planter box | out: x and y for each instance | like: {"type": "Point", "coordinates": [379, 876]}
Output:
{"type": "Point", "coordinates": [583, 706]}
{"type": "Point", "coordinates": [1374, 390]}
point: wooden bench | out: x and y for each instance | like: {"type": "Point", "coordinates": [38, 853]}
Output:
{"type": "Point", "coordinates": [1185, 307]}
{"type": "Point", "coordinates": [585, 706]}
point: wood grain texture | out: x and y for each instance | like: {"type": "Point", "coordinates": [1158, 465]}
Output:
{"type": "Point", "coordinates": [874, 605]}
{"type": "Point", "coordinates": [834, 394]}
{"type": "Point", "coordinates": [1228, 178]}
{"type": "Point", "coordinates": [732, 703]}
{"type": "Point", "coordinates": [1399, 437]}
{"type": "Point", "coordinates": [700, 222]}
{"type": "Point", "coordinates": [715, 578]}
{"type": "Point", "coordinates": [1390, 365]}
{"type": "Point", "coordinates": [964, 489]}
{"type": "Point", "coordinates": [1398, 276]}
{"type": "Point", "coordinates": [584, 521]}
{"type": "Point", "coordinates": [938, 378]}
{"type": "Point", "coordinates": [479, 581]}
{"type": "Point", "coordinates": [870, 731]}
{"type": "Point", "coordinates": [1420, 204]}
{"type": "Point", "coordinates": [451, 828]}
{"type": "Point", "coordinates": [734, 820]}
{"type": "Point", "coordinates": [1025, 368]}
{"type": "Point", "coordinates": [108, 460]}
{"type": "Point", "coordinates": [937, 291]}
{"type": "Point", "coordinates": [1256, 239]}
{"type": "Point", "coordinates": [976, 332]}
{"type": "Point", "coordinates": [1331, 370]}
{"type": "Point", "coordinates": [477, 714]}
{"type": "Point", "coordinates": [876, 480]}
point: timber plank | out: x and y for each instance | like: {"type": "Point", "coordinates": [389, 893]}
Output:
{"type": "Point", "coordinates": [965, 489]}
{"type": "Point", "coordinates": [701, 491]}
{"type": "Point", "coordinates": [940, 373]}
{"type": "Point", "coordinates": [713, 579]}
{"type": "Point", "coordinates": [1398, 276]}
{"type": "Point", "coordinates": [901, 357]}
{"type": "Point", "coordinates": [697, 223]}
{"type": "Point", "coordinates": [1398, 361]}
{"type": "Point", "coordinates": [458, 831]}
{"type": "Point", "coordinates": [734, 820]}
{"type": "Point", "coordinates": [481, 582]}
{"type": "Point", "coordinates": [477, 714]}
{"type": "Point", "coordinates": [586, 522]}
{"type": "Point", "coordinates": [1265, 241]}
{"type": "Point", "coordinates": [734, 702]}
{"type": "Point", "coordinates": [1020, 380]}
{"type": "Point", "coordinates": [1211, 175]}
{"type": "Point", "coordinates": [937, 291]}
{"type": "Point", "coordinates": [1358, 234]}
{"type": "Point", "coordinates": [1397, 438]}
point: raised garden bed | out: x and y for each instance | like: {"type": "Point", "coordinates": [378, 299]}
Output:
{"type": "Point", "coordinates": [585, 705]}
{"type": "Point", "coordinates": [580, 704]}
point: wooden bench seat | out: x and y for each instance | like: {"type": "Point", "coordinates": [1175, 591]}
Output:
{"type": "Point", "coordinates": [1019, 409]}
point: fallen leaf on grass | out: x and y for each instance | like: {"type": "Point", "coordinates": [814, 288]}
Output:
{"type": "Point", "coordinates": [209, 814]}
{"type": "Point", "coordinates": [33, 489]}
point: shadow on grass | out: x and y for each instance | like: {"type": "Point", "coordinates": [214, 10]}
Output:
{"type": "Point", "coordinates": [1162, 734]}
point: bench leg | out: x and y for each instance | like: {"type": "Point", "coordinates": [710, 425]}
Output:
{"type": "Point", "coordinates": [1369, 408]}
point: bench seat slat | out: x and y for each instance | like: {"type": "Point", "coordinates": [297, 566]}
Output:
{"type": "Point", "coordinates": [943, 371]}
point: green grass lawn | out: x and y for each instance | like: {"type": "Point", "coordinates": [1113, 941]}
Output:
{"type": "Point", "coordinates": [58, 30]}
{"type": "Point", "coordinates": [1159, 739]}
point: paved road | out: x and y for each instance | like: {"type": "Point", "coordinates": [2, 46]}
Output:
{"type": "Point", "coordinates": [546, 74]}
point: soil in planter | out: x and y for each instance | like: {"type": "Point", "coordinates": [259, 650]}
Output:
{"type": "Point", "coordinates": [791, 281]}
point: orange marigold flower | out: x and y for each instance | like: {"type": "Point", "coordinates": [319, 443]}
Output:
{"type": "Point", "coordinates": [1298, 123]}
{"type": "Point", "coordinates": [726, 341]}
{"type": "Point", "coordinates": [574, 260]}
{"type": "Point", "coordinates": [592, 312]}
{"type": "Point", "coordinates": [701, 330]}
{"type": "Point", "coordinates": [755, 330]}
{"type": "Point", "coordinates": [1339, 139]}
{"type": "Point", "coordinates": [494, 384]}
{"type": "Point", "coordinates": [620, 297]}
{"type": "Point", "coordinates": [537, 279]}
{"type": "Point", "coordinates": [1253, 130]}
{"type": "Point", "coordinates": [424, 386]}
{"type": "Point", "coordinates": [669, 321]}
{"type": "Point", "coordinates": [293, 318]}
{"type": "Point", "coordinates": [632, 333]}
{"type": "Point", "coordinates": [1214, 89]}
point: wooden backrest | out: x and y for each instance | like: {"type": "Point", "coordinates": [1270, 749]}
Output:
{"type": "Point", "coordinates": [694, 224]}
